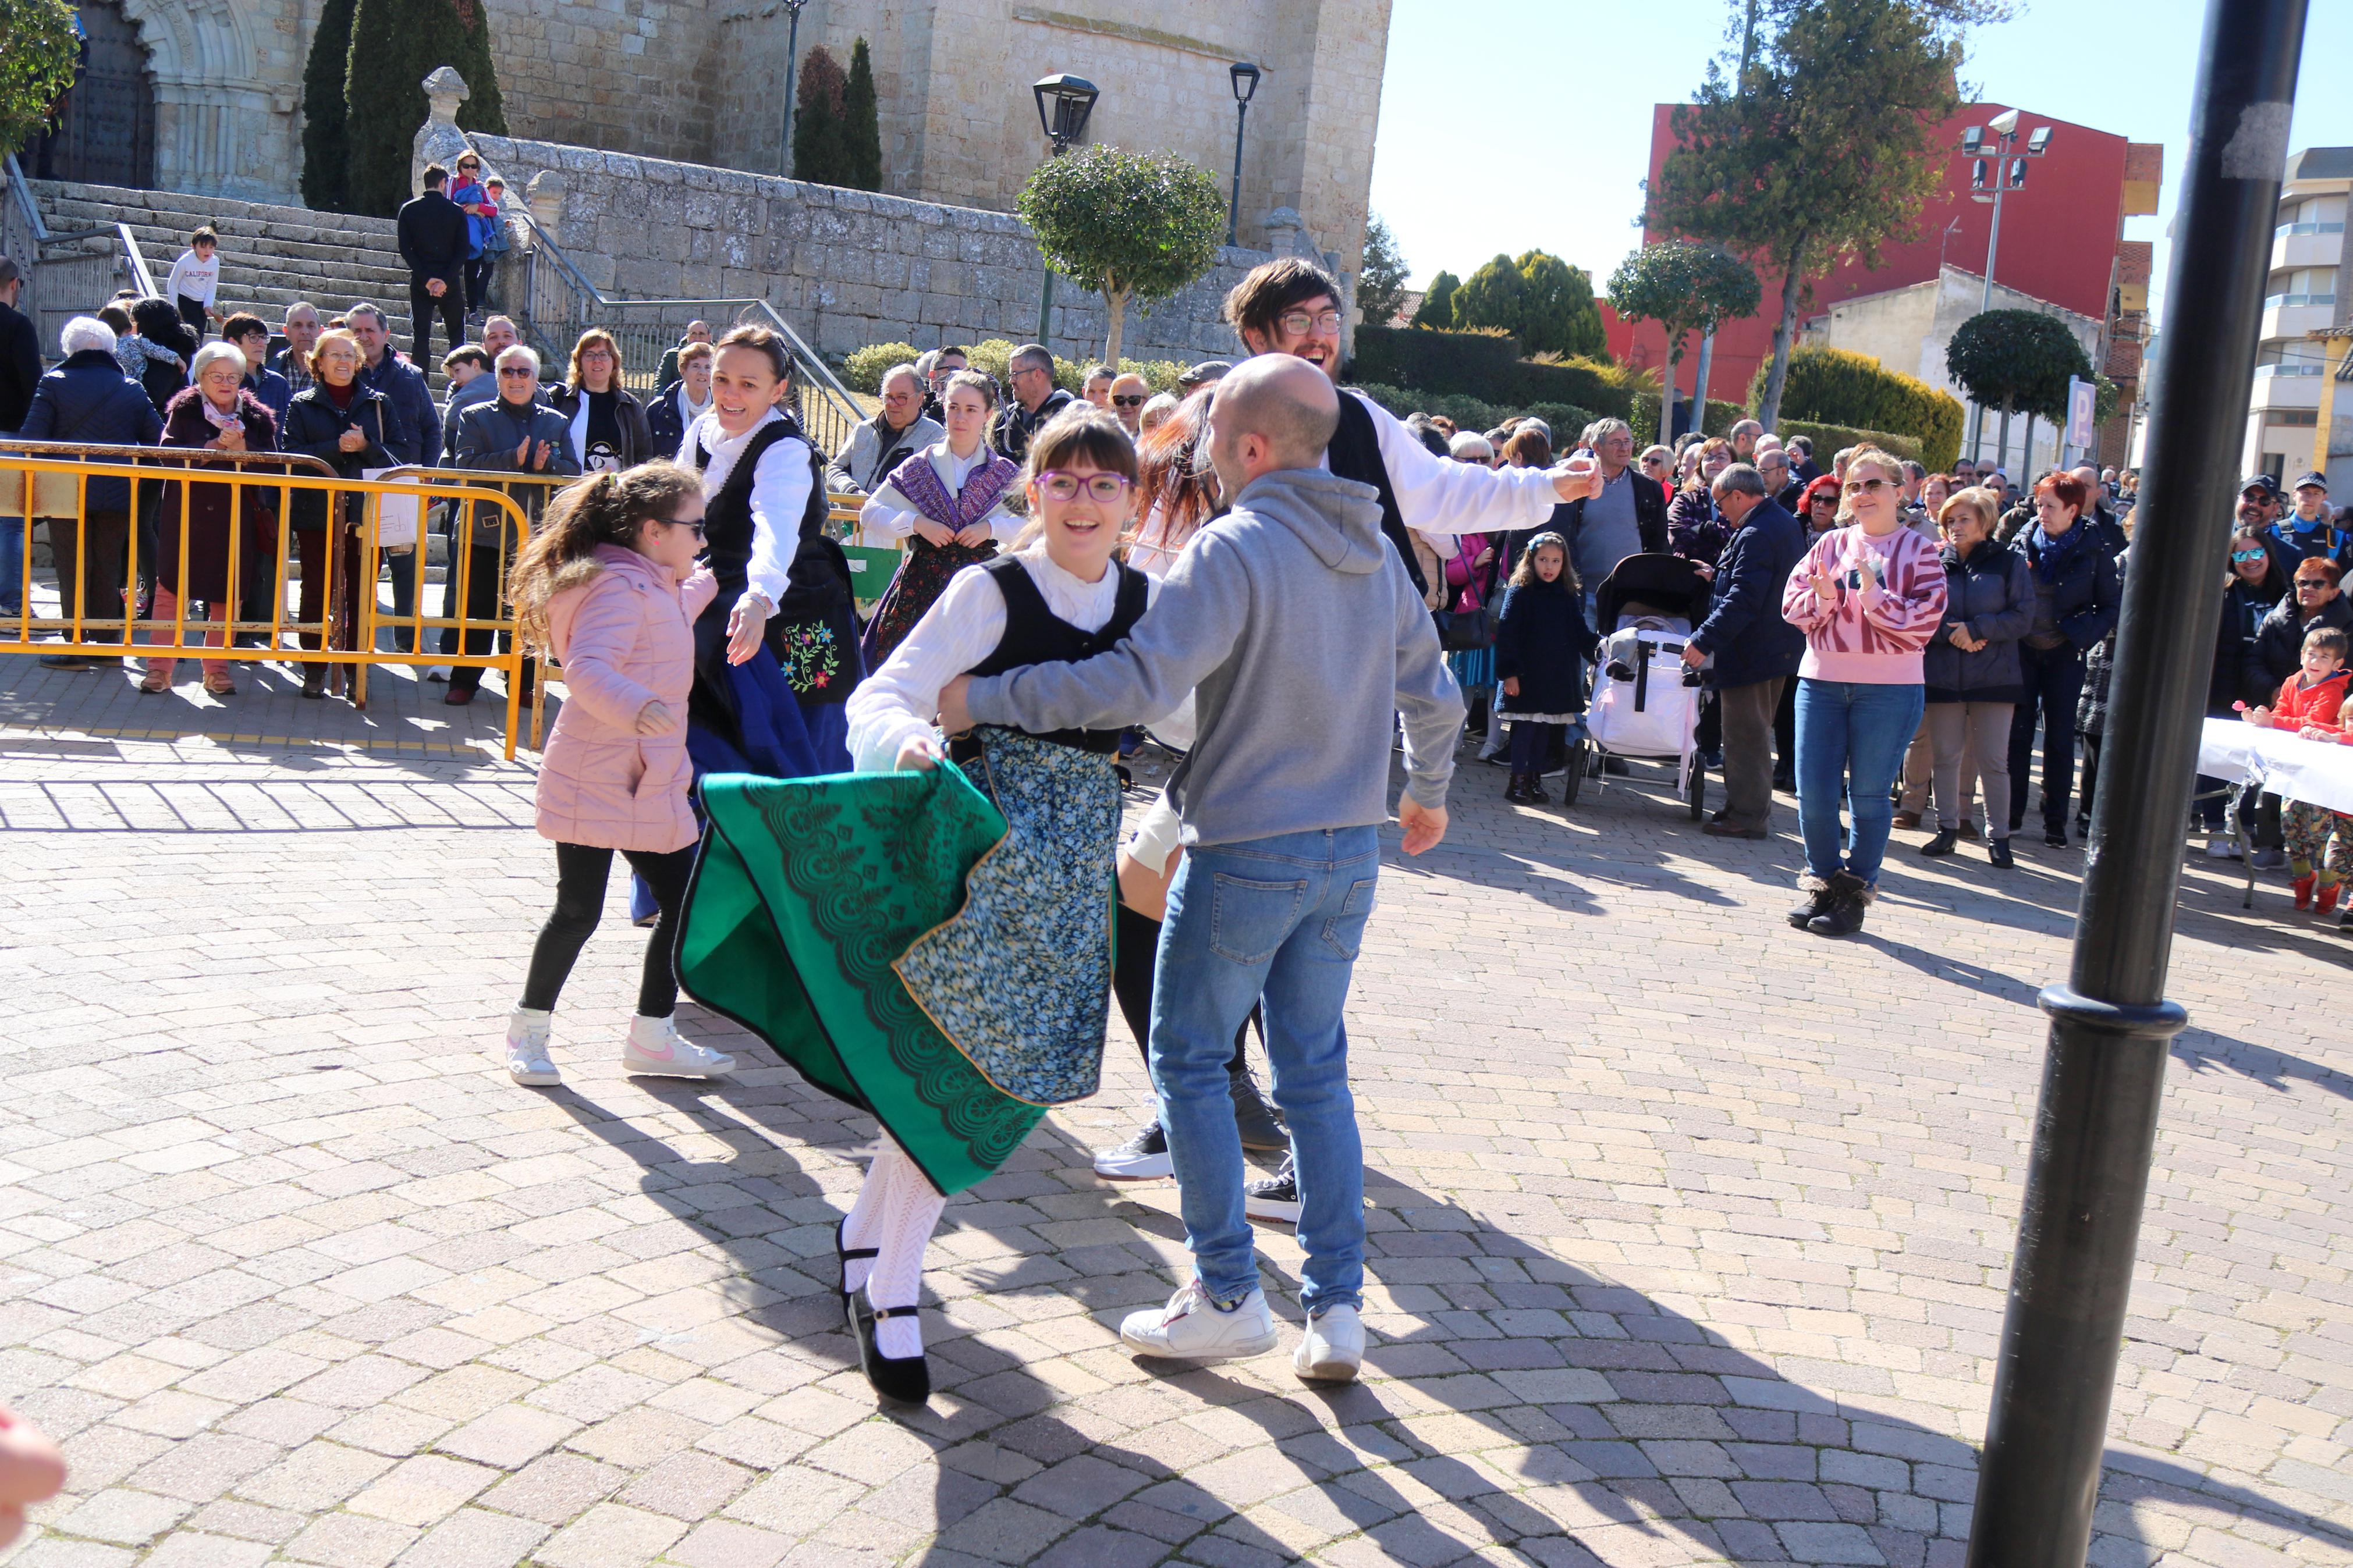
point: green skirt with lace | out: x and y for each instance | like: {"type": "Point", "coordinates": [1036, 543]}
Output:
{"type": "Point", "coordinates": [912, 949]}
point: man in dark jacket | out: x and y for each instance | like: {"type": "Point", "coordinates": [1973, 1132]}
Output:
{"type": "Point", "coordinates": [1756, 651]}
{"type": "Point", "coordinates": [1030, 374]}
{"type": "Point", "coordinates": [88, 398]}
{"type": "Point", "coordinates": [434, 242]}
{"type": "Point", "coordinates": [511, 433]}
{"type": "Point", "coordinates": [2314, 599]}
{"type": "Point", "coordinates": [20, 349]}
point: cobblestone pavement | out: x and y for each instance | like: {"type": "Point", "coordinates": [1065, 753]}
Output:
{"type": "Point", "coordinates": [1690, 1232]}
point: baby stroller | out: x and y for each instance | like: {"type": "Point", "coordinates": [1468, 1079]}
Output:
{"type": "Point", "coordinates": [1647, 701]}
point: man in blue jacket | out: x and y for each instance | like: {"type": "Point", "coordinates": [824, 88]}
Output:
{"type": "Point", "coordinates": [88, 398]}
{"type": "Point", "coordinates": [1756, 651]}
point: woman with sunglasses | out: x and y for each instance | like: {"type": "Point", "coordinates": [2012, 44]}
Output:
{"type": "Point", "coordinates": [473, 198]}
{"type": "Point", "coordinates": [1028, 1016]}
{"type": "Point", "coordinates": [610, 585]}
{"type": "Point", "coordinates": [2254, 582]}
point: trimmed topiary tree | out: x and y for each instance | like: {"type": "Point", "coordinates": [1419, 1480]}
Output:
{"type": "Point", "coordinates": [38, 51]}
{"type": "Point", "coordinates": [1436, 308]}
{"type": "Point", "coordinates": [1686, 289]}
{"type": "Point", "coordinates": [1129, 226]}
{"type": "Point", "coordinates": [2019, 360]}
{"type": "Point", "coordinates": [1557, 315]}
{"type": "Point", "coordinates": [862, 128]}
{"type": "Point", "coordinates": [395, 45]}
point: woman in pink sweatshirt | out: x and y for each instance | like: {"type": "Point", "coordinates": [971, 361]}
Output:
{"type": "Point", "coordinates": [608, 584]}
{"type": "Point", "coordinates": [1868, 595]}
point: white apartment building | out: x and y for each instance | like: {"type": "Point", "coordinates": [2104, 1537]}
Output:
{"type": "Point", "coordinates": [2310, 288]}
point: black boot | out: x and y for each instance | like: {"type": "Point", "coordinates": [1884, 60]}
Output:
{"type": "Point", "coordinates": [1943, 843]}
{"type": "Point", "coordinates": [1533, 792]}
{"type": "Point", "coordinates": [1815, 901]}
{"type": "Point", "coordinates": [1256, 1120]}
{"type": "Point", "coordinates": [1844, 917]}
{"type": "Point", "coordinates": [1998, 854]}
{"type": "Point", "coordinates": [905, 1379]}
{"type": "Point", "coordinates": [1516, 791]}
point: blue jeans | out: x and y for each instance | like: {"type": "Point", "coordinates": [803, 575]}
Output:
{"type": "Point", "coordinates": [12, 565]}
{"type": "Point", "coordinates": [1850, 742]}
{"type": "Point", "coordinates": [1279, 918]}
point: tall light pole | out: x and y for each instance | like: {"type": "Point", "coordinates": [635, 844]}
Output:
{"type": "Point", "coordinates": [2007, 172]}
{"type": "Point", "coordinates": [1064, 101]}
{"type": "Point", "coordinates": [792, 67]}
{"type": "Point", "coordinates": [1245, 76]}
{"type": "Point", "coordinates": [2094, 1125]}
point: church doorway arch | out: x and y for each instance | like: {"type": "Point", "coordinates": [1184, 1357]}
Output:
{"type": "Point", "coordinates": [103, 132]}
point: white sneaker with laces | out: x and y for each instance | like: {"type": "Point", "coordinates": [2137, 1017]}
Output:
{"type": "Point", "coordinates": [656, 1048]}
{"type": "Point", "coordinates": [2221, 847]}
{"type": "Point", "coordinates": [1192, 1326]}
{"type": "Point", "coordinates": [527, 1061]}
{"type": "Point", "coordinates": [1332, 1348]}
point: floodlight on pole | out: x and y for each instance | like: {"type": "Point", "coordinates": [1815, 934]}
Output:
{"type": "Point", "coordinates": [1995, 167]}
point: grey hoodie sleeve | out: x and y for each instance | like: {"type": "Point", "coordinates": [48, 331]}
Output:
{"type": "Point", "coordinates": [1427, 697]}
{"type": "Point", "coordinates": [1190, 629]}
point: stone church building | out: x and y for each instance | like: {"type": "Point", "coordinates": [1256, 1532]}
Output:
{"type": "Point", "coordinates": [205, 96]}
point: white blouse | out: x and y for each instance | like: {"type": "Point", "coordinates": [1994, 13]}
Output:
{"type": "Point", "coordinates": [780, 493]}
{"type": "Point", "coordinates": [898, 702]}
{"type": "Point", "coordinates": [889, 514]}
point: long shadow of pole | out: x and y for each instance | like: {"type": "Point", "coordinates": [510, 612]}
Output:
{"type": "Point", "coordinates": [2104, 1074]}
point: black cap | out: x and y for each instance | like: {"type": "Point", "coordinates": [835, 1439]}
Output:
{"type": "Point", "coordinates": [2312, 477]}
{"type": "Point", "coordinates": [2263, 482]}
{"type": "Point", "coordinates": [1206, 370]}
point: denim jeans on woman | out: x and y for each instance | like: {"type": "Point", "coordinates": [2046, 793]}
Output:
{"type": "Point", "coordinates": [1851, 741]}
{"type": "Point", "coordinates": [1281, 918]}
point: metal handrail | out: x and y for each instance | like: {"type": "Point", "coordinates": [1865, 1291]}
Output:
{"type": "Point", "coordinates": [158, 457]}
{"type": "Point", "coordinates": [24, 203]}
{"type": "Point", "coordinates": [139, 272]}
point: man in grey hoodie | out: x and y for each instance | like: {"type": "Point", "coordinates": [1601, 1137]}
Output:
{"type": "Point", "coordinates": [1298, 633]}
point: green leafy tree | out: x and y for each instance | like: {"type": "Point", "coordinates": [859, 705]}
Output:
{"type": "Point", "coordinates": [1557, 314]}
{"type": "Point", "coordinates": [1495, 296]}
{"type": "Point", "coordinates": [38, 52]}
{"type": "Point", "coordinates": [1129, 226]}
{"type": "Point", "coordinates": [1686, 289]}
{"type": "Point", "coordinates": [1380, 286]}
{"type": "Point", "coordinates": [2020, 360]}
{"type": "Point", "coordinates": [821, 121]}
{"type": "Point", "coordinates": [861, 127]}
{"type": "Point", "coordinates": [1825, 149]}
{"type": "Point", "coordinates": [395, 45]}
{"type": "Point", "coordinates": [1436, 308]}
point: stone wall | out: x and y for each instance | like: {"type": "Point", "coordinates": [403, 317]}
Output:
{"type": "Point", "coordinates": [847, 267]}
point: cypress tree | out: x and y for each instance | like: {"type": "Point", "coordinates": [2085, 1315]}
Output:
{"type": "Point", "coordinates": [326, 139]}
{"type": "Point", "coordinates": [486, 109]}
{"type": "Point", "coordinates": [395, 45]}
{"type": "Point", "coordinates": [820, 150]}
{"type": "Point", "coordinates": [862, 128]}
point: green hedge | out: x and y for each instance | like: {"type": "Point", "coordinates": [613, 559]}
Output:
{"type": "Point", "coordinates": [1483, 365]}
{"type": "Point", "coordinates": [1721, 417]}
{"type": "Point", "coordinates": [1828, 439]}
{"type": "Point", "coordinates": [862, 371]}
{"type": "Point", "coordinates": [1566, 420]}
{"type": "Point", "coordinates": [1855, 391]}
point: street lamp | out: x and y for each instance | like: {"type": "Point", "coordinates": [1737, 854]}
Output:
{"type": "Point", "coordinates": [1995, 167]}
{"type": "Point", "coordinates": [1064, 101]}
{"type": "Point", "coordinates": [1245, 77]}
{"type": "Point", "coordinates": [792, 64]}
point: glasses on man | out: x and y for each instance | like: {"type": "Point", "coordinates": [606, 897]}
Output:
{"type": "Point", "coordinates": [1299, 323]}
{"type": "Point", "coordinates": [1871, 487]}
{"type": "Point", "coordinates": [1127, 401]}
{"type": "Point", "coordinates": [1105, 488]}
{"type": "Point", "coordinates": [517, 371]}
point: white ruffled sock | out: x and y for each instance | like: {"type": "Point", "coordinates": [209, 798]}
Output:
{"type": "Point", "coordinates": [908, 1211]}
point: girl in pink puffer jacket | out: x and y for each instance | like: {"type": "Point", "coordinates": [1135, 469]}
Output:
{"type": "Point", "coordinates": [608, 586]}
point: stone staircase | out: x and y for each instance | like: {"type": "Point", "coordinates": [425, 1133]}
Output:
{"type": "Point", "coordinates": [271, 256]}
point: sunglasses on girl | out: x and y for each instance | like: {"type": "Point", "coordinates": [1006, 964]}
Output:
{"type": "Point", "coordinates": [1105, 488]}
{"type": "Point", "coordinates": [2244, 556]}
{"type": "Point", "coordinates": [696, 525]}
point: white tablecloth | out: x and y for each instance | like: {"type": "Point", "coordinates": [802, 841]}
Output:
{"type": "Point", "coordinates": [2319, 773]}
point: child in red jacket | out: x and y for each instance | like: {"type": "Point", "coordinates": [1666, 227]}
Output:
{"type": "Point", "coordinates": [2310, 703]}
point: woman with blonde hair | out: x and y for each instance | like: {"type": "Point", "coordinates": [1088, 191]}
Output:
{"type": "Point", "coordinates": [1970, 672]}
{"type": "Point", "coordinates": [610, 585]}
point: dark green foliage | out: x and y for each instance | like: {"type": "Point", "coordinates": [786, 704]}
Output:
{"type": "Point", "coordinates": [861, 127]}
{"type": "Point", "coordinates": [1855, 390]}
{"type": "Point", "coordinates": [395, 45]}
{"type": "Point", "coordinates": [1490, 298]}
{"type": "Point", "coordinates": [1557, 314]}
{"type": "Point", "coordinates": [1482, 364]}
{"type": "Point", "coordinates": [2017, 360]}
{"type": "Point", "coordinates": [326, 129]}
{"type": "Point", "coordinates": [1437, 307]}
{"type": "Point", "coordinates": [821, 121]}
{"type": "Point", "coordinates": [39, 50]}
{"type": "Point", "coordinates": [1380, 286]}
{"type": "Point", "coordinates": [1567, 421]}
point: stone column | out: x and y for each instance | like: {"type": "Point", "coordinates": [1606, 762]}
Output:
{"type": "Point", "coordinates": [439, 140]}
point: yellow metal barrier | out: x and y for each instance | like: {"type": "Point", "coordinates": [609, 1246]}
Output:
{"type": "Point", "coordinates": [51, 489]}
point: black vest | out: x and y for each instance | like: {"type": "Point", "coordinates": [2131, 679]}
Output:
{"type": "Point", "coordinates": [1356, 454]}
{"type": "Point", "coordinates": [727, 521]}
{"type": "Point", "coordinates": [1034, 634]}
{"type": "Point", "coordinates": [817, 591]}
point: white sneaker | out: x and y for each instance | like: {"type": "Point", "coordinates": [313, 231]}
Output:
{"type": "Point", "coordinates": [656, 1048]}
{"type": "Point", "coordinates": [2221, 847]}
{"type": "Point", "coordinates": [1332, 1348]}
{"type": "Point", "coordinates": [1191, 1327]}
{"type": "Point", "coordinates": [527, 1062]}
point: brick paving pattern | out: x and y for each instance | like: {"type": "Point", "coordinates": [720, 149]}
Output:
{"type": "Point", "coordinates": [1689, 1232]}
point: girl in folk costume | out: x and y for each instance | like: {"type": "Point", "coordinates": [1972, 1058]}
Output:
{"type": "Point", "coordinates": [948, 502]}
{"type": "Point", "coordinates": [776, 651]}
{"type": "Point", "coordinates": [1018, 979]}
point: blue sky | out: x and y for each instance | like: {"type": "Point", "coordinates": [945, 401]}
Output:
{"type": "Point", "coordinates": [1506, 128]}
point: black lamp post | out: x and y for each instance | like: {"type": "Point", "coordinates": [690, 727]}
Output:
{"type": "Point", "coordinates": [792, 67]}
{"type": "Point", "coordinates": [1064, 101]}
{"type": "Point", "coordinates": [1245, 77]}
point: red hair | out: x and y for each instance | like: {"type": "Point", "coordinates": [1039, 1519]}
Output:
{"type": "Point", "coordinates": [1827, 485]}
{"type": "Point", "coordinates": [2065, 488]}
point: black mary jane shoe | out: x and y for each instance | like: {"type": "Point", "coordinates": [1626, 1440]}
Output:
{"type": "Point", "coordinates": [902, 1379]}
{"type": "Point", "coordinates": [841, 1257]}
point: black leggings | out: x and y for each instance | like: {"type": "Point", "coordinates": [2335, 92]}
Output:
{"type": "Point", "coordinates": [1137, 937]}
{"type": "Point", "coordinates": [580, 875]}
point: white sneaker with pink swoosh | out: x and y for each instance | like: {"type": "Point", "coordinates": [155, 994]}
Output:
{"type": "Point", "coordinates": [656, 1048]}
